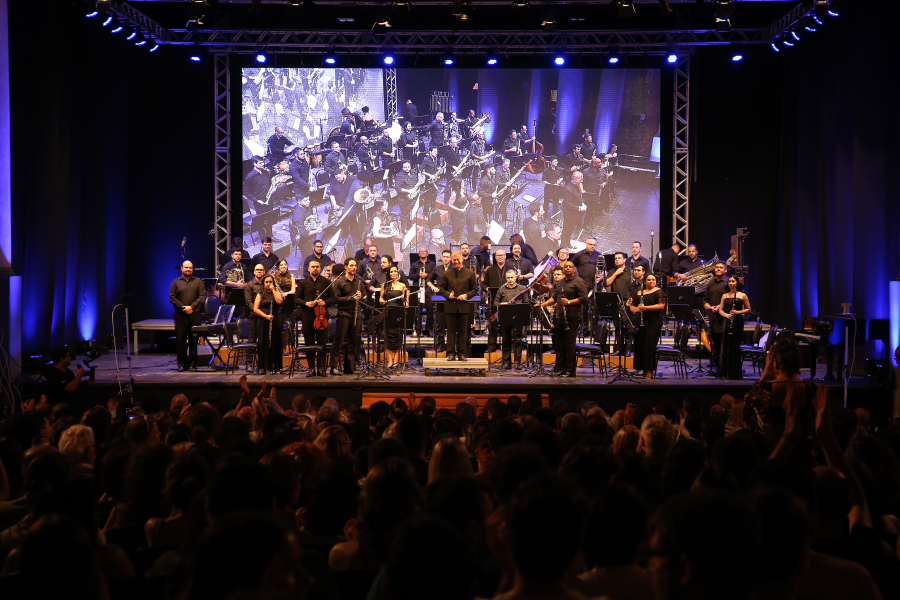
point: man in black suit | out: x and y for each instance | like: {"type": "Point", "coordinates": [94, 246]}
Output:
{"type": "Point", "coordinates": [410, 111]}
{"type": "Point", "coordinates": [458, 287]}
{"type": "Point", "coordinates": [667, 261]}
{"type": "Point", "coordinates": [419, 274]}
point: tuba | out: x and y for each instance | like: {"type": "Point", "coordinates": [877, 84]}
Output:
{"type": "Point", "coordinates": [701, 277]}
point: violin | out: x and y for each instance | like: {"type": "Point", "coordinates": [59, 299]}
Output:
{"type": "Point", "coordinates": [321, 315]}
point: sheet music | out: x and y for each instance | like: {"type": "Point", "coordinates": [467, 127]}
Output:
{"type": "Point", "coordinates": [495, 232]}
{"type": "Point", "coordinates": [297, 125]}
{"type": "Point", "coordinates": [255, 148]}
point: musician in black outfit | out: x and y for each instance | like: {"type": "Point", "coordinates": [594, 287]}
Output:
{"type": "Point", "coordinates": [712, 297]}
{"type": "Point", "coordinates": [405, 183]}
{"type": "Point", "coordinates": [266, 258]}
{"type": "Point", "coordinates": [410, 111]}
{"type": "Point", "coordinates": [348, 291]}
{"type": "Point", "coordinates": [570, 294]}
{"type": "Point", "coordinates": [512, 146]}
{"type": "Point", "coordinates": [588, 149]}
{"type": "Point", "coordinates": [532, 225]}
{"type": "Point", "coordinates": [334, 161]}
{"type": "Point", "coordinates": [570, 161]}
{"type": "Point", "coordinates": [303, 235]}
{"type": "Point", "coordinates": [527, 251]}
{"type": "Point", "coordinates": [234, 278]}
{"type": "Point", "coordinates": [493, 278]}
{"type": "Point", "coordinates": [299, 170]}
{"type": "Point", "coordinates": [431, 164]}
{"type": "Point", "coordinates": [555, 176]}
{"type": "Point", "coordinates": [587, 262]}
{"type": "Point", "coordinates": [478, 154]}
{"type": "Point", "coordinates": [487, 190]}
{"type": "Point", "coordinates": [409, 142]}
{"type": "Point", "coordinates": [573, 207]}
{"type": "Point", "coordinates": [318, 255]}
{"type": "Point", "coordinates": [690, 263]}
{"type": "Point", "coordinates": [550, 243]}
{"type": "Point", "coordinates": [507, 295]}
{"type": "Point", "coordinates": [471, 119]}
{"type": "Point", "coordinates": [254, 288]}
{"type": "Point", "coordinates": [347, 126]}
{"type": "Point", "coordinates": [383, 275]}
{"type": "Point", "coordinates": [365, 155]}
{"type": "Point", "coordinates": [618, 280]}
{"type": "Point", "coordinates": [458, 287]}
{"type": "Point", "coordinates": [636, 258]}
{"type": "Point", "coordinates": [595, 183]}
{"type": "Point", "coordinates": [312, 291]}
{"type": "Point", "coordinates": [523, 267]}
{"type": "Point", "coordinates": [434, 284]}
{"type": "Point", "coordinates": [436, 129]}
{"type": "Point", "coordinates": [667, 262]}
{"type": "Point", "coordinates": [186, 294]}
{"type": "Point", "coordinates": [419, 273]}
{"type": "Point", "coordinates": [483, 253]}
{"type": "Point", "coordinates": [452, 158]}
{"type": "Point", "coordinates": [276, 142]}
{"type": "Point", "coordinates": [256, 185]}
{"type": "Point", "coordinates": [363, 252]}
{"type": "Point", "coordinates": [339, 191]}
{"type": "Point", "coordinates": [647, 305]}
{"type": "Point", "coordinates": [385, 148]}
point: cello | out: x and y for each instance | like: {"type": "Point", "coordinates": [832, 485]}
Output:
{"type": "Point", "coordinates": [539, 163]}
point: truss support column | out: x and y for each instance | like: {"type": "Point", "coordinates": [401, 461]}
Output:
{"type": "Point", "coordinates": [222, 133]}
{"type": "Point", "coordinates": [390, 84]}
{"type": "Point", "coordinates": [681, 185]}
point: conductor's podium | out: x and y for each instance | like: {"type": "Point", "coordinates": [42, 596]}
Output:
{"type": "Point", "coordinates": [471, 364]}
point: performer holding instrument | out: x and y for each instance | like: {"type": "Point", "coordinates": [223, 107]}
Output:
{"type": "Point", "coordinates": [648, 302]}
{"type": "Point", "coordinates": [393, 291]}
{"type": "Point", "coordinates": [266, 307]}
{"type": "Point", "coordinates": [314, 295]}
{"type": "Point", "coordinates": [732, 308]}
{"type": "Point", "coordinates": [510, 293]}
{"type": "Point", "coordinates": [568, 296]}
{"type": "Point", "coordinates": [348, 292]}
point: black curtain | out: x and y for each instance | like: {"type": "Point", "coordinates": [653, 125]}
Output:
{"type": "Point", "coordinates": [801, 147]}
{"type": "Point", "coordinates": [111, 168]}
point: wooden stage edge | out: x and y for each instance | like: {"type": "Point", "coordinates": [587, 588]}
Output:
{"type": "Point", "coordinates": [156, 375]}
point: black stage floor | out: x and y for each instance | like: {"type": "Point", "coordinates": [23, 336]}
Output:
{"type": "Point", "coordinates": [156, 375]}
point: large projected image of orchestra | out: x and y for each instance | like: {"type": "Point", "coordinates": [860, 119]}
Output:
{"type": "Point", "coordinates": [555, 156]}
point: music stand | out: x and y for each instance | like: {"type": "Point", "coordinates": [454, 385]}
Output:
{"type": "Point", "coordinates": [681, 295]}
{"type": "Point", "coordinates": [699, 323]}
{"type": "Point", "coordinates": [622, 372]}
{"type": "Point", "coordinates": [513, 315]}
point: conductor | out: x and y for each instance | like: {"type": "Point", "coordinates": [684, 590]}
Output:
{"type": "Point", "coordinates": [457, 286]}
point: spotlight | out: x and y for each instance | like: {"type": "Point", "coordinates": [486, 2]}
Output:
{"type": "Point", "coordinates": [140, 40]}
{"type": "Point", "coordinates": [737, 58]}
{"type": "Point", "coordinates": [816, 19]}
{"type": "Point", "coordinates": [388, 58]}
{"type": "Point", "coordinates": [108, 20]}
{"type": "Point", "coordinates": [261, 58]}
{"type": "Point", "coordinates": [832, 13]}
{"type": "Point", "coordinates": [775, 47]}
{"type": "Point", "coordinates": [613, 60]}
{"type": "Point", "coordinates": [131, 34]}
{"type": "Point", "coordinates": [559, 60]}
{"type": "Point", "coordinates": [117, 28]}
{"type": "Point", "coordinates": [330, 57]}
{"type": "Point", "coordinates": [625, 9]}
{"type": "Point", "coordinates": [794, 35]}
{"type": "Point", "coordinates": [195, 58]}
{"type": "Point", "coordinates": [492, 59]}
{"type": "Point", "coordinates": [672, 58]}
{"type": "Point", "coordinates": [154, 47]}
{"type": "Point", "coordinates": [808, 28]}
{"type": "Point", "coordinates": [788, 43]}
{"type": "Point", "coordinates": [91, 14]}
{"type": "Point", "coordinates": [613, 57]}
{"type": "Point", "coordinates": [448, 59]}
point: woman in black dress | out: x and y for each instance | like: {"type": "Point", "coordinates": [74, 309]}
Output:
{"type": "Point", "coordinates": [393, 337]}
{"type": "Point", "coordinates": [733, 307]}
{"type": "Point", "coordinates": [287, 285]}
{"type": "Point", "coordinates": [651, 303]}
{"type": "Point", "coordinates": [267, 307]}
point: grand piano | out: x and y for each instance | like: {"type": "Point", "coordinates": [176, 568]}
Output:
{"type": "Point", "coordinates": [829, 331]}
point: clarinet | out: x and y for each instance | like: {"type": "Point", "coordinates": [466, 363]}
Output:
{"type": "Point", "coordinates": [356, 306]}
{"type": "Point", "coordinates": [271, 326]}
{"type": "Point", "coordinates": [641, 303]}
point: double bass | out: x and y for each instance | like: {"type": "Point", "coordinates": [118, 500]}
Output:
{"type": "Point", "coordinates": [539, 163]}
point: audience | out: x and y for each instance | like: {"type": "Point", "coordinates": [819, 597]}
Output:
{"type": "Point", "coordinates": [783, 494]}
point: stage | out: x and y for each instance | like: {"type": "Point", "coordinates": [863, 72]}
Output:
{"type": "Point", "coordinates": [156, 375]}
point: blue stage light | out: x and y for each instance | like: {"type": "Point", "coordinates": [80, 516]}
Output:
{"type": "Point", "coordinates": [775, 47]}
{"type": "Point", "coordinates": [448, 62]}
{"type": "Point", "coordinates": [559, 61]}
{"type": "Point", "coordinates": [613, 60]}
{"type": "Point", "coordinates": [117, 29]}
{"type": "Point", "coordinates": [388, 59]}
{"type": "Point", "coordinates": [492, 61]}
{"type": "Point", "coordinates": [672, 58]}
{"type": "Point", "coordinates": [107, 21]}
{"type": "Point", "coordinates": [155, 47]}
{"type": "Point", "coordinates": [816, 19]}
{"type": "Point", "coordinates": [131, 35]}
{"type": "Point", "coordinates": [93, 13]}
{"type": "Point", "coordinates": [832, 13]}
{"type": "Point", "coordinates": [140, 43]}
{"type": "Point", "coordinates": [261, 58]}
{"type": "Point", "coordinates": [195, 58]}
{"type": "Point", "coordinates": [330, 60]}
{"type": "Point", "coordinates": [787, 43]}
{"type": "Point", "coordinates": [737, 58]}
{"type": "Point", "coordinates": [794, 35]}
{"type": "Point", "coordinates": [808, 28]}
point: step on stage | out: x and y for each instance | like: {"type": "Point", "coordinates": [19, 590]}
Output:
{"type": "Point", "coordinates": [157, 375]}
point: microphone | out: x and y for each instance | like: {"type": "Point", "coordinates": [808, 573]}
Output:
{"type": "Point", "coordinates": [183, 242]}
{"type": "Point", "coordinates": [651, 233]}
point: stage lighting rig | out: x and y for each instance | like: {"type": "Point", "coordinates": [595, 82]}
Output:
{"type": "Point", "coordinates": [389, 57]}
{"type": "Point", "coordinates": [116, 27]}
{"type": "Point", "coordinates": [141, 39]}
{"type": "Point", "coordinates": [724, 9]}
{"type": "Point", "coordinates": [737, 58]}
{"type": "Point", "coordinates": [448, 60]}
{"type": "Point", "coordinates": [132, 33]}
{"type": "Point", "coordinates": [261, 57]}
{"type": "Point", "coordinates": [154, 46]}
{"type": "Point", "coordinates": [492, 59]}
{"type": "Point", "coordinates": [548, 21]}
{"type": "Point", "coordinates": [382, 24]}
{"type": "Point", "coordinates": [723, 25]}
{"type": "Point", "coordinates": [625, 9]}
{"type": "Point", "coordinates": [614, 58]}
{"type": "Point", "coordinates": [103, 6]}
{"type": "Point", "coordinates": [559, 60]}
{"type": "Point", "coordinates": [330, 57]}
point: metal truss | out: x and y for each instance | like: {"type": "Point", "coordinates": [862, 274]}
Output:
{"type": "Point", "coordinates": [437, 42]}
{"type": "Point", "coordinates": [681, 185]}
{"type": "Point", "coordinates": [390, 90]}
{"type": "Point", "coordinates": [788, 19]}
{"type": "Point", "coordinates": [222, 128]}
